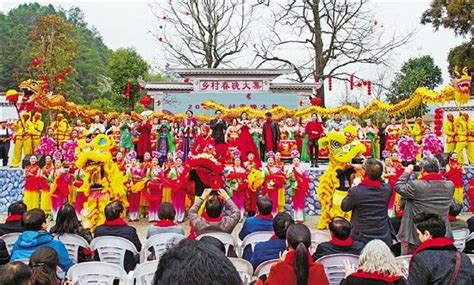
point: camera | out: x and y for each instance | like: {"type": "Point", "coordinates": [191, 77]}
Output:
{"type": "Point", "coordinates": [215, 192]}
{"type": "Point", "coordinates": [416, 167]}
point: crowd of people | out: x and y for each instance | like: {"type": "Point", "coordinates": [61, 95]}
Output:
{"type": "Point", "coordinates": [425, 208]}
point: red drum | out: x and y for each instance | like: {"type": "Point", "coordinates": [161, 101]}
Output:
{"type": "Point", "coordinates": [285, 147]}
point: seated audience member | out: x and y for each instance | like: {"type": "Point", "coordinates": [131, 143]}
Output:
{"type": "Point", "coordinates": [272, 248]}
{"type": "Point", "coordinates": [195, 262]}
{"type": "Point", "coordinates": [35, 236]}
{"type": "Point", "coordinates": [43, 264]}
{"type": "Point", "coordinates": [377, 266]}
{"type": "Point", "coordinates": [115, 225]}
{"type": "Point", "coordinates": [13, 222]}
{"type": "Point", "coordinates": [436, 259]}
{"type": "Point", "coordinates": [262, 221]}
{"type": "Point", "coordinates": [395, 221]}
{"type": "Point", "coordinates": [213, 220]}
{"type": "Point", "coordinates": [470, 224]}
{"type": "Point", "coordinates": [470, 241]}
{"type": "Point", "coordinates": [340, 242]}
{"type": "Point", "coordinates": [297, 266]}
{"type": "Point", "coordinates": [166, 223]}
{"type": "Point", "coordinates": [67, 223]}
{"type": "Point", "coordinates": [368, 202]}
{"type": "Point", "coordinates": [454, 222]}
{"type": "Point", "coordinates": [15, 273]}
{"type": "Point", "coordinates": [4, 255]}
{"type": "Point", "coordinates": [215, 242]}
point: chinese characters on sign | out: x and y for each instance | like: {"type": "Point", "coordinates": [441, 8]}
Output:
{"type": "Point", "coordinates": [231, 85]}
{"type": "Point", "coordinates": [230, 106]}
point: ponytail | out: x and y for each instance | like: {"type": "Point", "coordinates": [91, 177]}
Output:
{"type": "Point", "coordinates": [301, 264]}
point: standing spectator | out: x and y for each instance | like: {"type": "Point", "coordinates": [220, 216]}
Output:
{"type": "Point", "coordinates": [218, 127]}
{"type": "Point", "coordinates": [43, 264]}
{"type": "Point", "coordinates": [67, 223]}
{"type": "Point", "coordinates": [15, 273]}
{"type": "Point", "coordinates": [13, 222]}
{"type": "Point", "coordinates": [368, 202]}
{"type": "Point", "coordinates": [436, 260]}
{"type": "Point", "coordinates": [97, 126]}
{"type": "Point", "coordinates": [341, 241]}
{"type": "Point", "coordinates": [270, 134]}
{"type": "Point", "coordinates": [397, 220]}
{"type": "Point", "coordinates": [297, 267]}
{"type": "Point", "coordinates": [263, 221]}
{"type": "Point", "coordinates": [336, 124]}
{"type": "Point", "coordinates": [35, 236]}
{"type": "Point", "coordinates": [377, 266]}
{"type": "Point", "coordinates": [116, 226]}
{"type": "Point", "coordinates": [166, 224]}
{"type": "Point", "coordinates": [455, 223]}
{"type": "Point", "coordinates": [144, 144]}
{"type": "Point", "coordinates": [5, 138]}
{"type": "Point", "coordinates": [382, 138]}
{"type": "Point", "coordinates": [429, 193]}
{"type": "Point", "coordinates": [314, 130]}
{"type": "Point", "coordinates": [195, 262]}
{"type": "Point", "coordinates": [273, 248]}
{"type": "Point", "coordinates": [214, 208]}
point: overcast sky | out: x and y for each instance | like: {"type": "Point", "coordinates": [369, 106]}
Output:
{"type": "Point", "coordinates": [128, 24]}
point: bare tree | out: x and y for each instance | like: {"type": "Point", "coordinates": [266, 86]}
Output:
{"type": "Point", "coordinates": [202, 33]}
{"type": "Point", "coordinates": [329, 35]}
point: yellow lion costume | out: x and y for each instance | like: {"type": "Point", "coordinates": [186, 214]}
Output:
{"type": "Point", "coordinates": [103, 181]}
{"type": "Point", "coordinates": [341, 152]}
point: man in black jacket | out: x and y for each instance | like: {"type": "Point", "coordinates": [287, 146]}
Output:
{"type": "Point", "coordinates": [436, 260]}
{"type": "Point", "coordinates": [116, 226]}
{"type": "Point", "coordinates": [218, 127]}
{"type": "Point", "coordinates": [13, 222]}
{"type": "Point", "coordinates": [270, 134]}
{"type": "Point", "coordinates": [340, 242]}
{"type": "Point", "coordinates": [368, 202]}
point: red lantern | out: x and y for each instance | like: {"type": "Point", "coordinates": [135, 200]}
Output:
{"type": "Point", "coordinates": [439, 133]}
{"type": "Point", "coordinates": [329, 82]}
{"type": "Point", "coordinates": [351, 82]}
{"type": "Point", "coordinates": [359, 84]}
{"type": "Point", "coordinates": [12, 96]}
{"type": "Point", "coordinates": [36, 61]}
{"type": "Point", "coordinates": [67, 70]}
{"type": "Point", "coordinates": [438, 111]}
{"type": "Point", "coordinates": [145, 100]}
{"type": "Point", "coordinates": [59, 76]}
{"type": "Point", "coordinates": [186, 80]}
{"type": "Point", "coordinates": [315, 101]}
{"type": "Point", "coordinates": [369, 87]}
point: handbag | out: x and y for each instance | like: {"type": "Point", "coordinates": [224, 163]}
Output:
{"type": "Point", "coordinates": [457, 267]}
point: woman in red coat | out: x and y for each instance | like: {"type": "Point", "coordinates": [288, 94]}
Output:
{"type": "Point", "coordinates": [144, 144]}
{"type": "Point", "coordinates": [297, 266]}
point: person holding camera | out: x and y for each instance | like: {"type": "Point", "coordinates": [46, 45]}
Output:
{"type": "Point", "coordinates": [429, 193]}
{"type": "Point", "coordinates": [212, 219]}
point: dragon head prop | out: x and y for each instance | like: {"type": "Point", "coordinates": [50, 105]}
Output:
{"type": "Point", "coordinates": [340, 149]}
{"type": "Point", "coordinates": [103, 181]}
{"type": "Point", "coordinates": [462, 85]}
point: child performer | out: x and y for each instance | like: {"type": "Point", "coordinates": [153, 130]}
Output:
{"type": "Point", "coordinates": [393, 170]}
{"type": "Point", "coordinates": [251, 196]}
{"type": "Point", "coordinates": [298, 183]}
{"type": "Point", "coordinates": [60, 188]}
{"type": "Point", "coordinates": [237, 183]}
{"type": "Point", "coordinates": [454, 173]}
{"type": "Point", "coordinates": [273, 182]}
{"type": "Point", "coordinates": [136, 177]}
{"type": "Point", "coordinates": [47, 174]}
{"type": "Point", "coordinates": [33, 178]}
{"type": "Point", "coordinates": [178, 195]}
{"type": "Point", "coordinates": [154, 191]}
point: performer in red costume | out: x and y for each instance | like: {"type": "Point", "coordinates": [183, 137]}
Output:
{"type": "Point", "coordinates": [298, 182]}
{"type": "Point", "coordinates": [237, 183]}
{"type": "Point", "coordinates": [143, 145]}
{"type": "Point", "coordinates": [136, 176]}
{"type": "Point", "coordinates": [60, 187]}
{"type": "Point", "coordinates": [393, 170]}
{"type": "Point", "coordinates": [154, 189]}
{"type": "Point", "coordinates": [32, 184]}
{"type": "Point", "coordinates": [245, 142]}
{"type": "Point", "coordinates": [454, 173]}
{"type": "Point", "coordinates": [274, 181]}
{"type": "Point", "coordinates": [178, 195]}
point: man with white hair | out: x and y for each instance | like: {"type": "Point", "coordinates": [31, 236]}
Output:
{"type": "Point", "coordinates": [97, 126]}
{"type": "Point", "coordinates": [429, 193]}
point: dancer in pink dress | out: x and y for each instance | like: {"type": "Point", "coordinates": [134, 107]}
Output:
{"type": "Point", "coordinates": [237, 183]}
{"type": "Point", "coordinates": [136, 177]}
{"type": "Point", "coordinates": [298, 185]}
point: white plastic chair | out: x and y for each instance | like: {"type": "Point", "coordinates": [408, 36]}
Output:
{"type": "Point", "coordinates": [96, 272]}
{"type": "Point", "coordinates": [112, 249]}
{"type": "Point", "coordinates": [160, 243]}
{"type": "Point", "coordinates": [24, 260]}
{"type": "Point", "coordinates": [144, 273]}
{"type": "Point", "coordinates": [10, 240]}
{"type": "Point", "coordinates": [404, 262]}
{"type": "Point", "coordinates": [73, 242]}
{"type": "Point", "coordinates": [264, 267]}
{"type": "Point", "coordinates": [244, 268]}
{"type": "Point", "coordinates": [460, 237]}
{"type": "Point", "coordinates": [227, 239]}
{"type": "Point", "coordinates": [318, 237]}
{"type": "Point", "coordinates": [253, 238]}
{"type": "Point", "coordinates": [334, 266]}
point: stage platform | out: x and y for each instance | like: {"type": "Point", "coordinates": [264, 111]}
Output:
{"type": "Point", "coordinates": [12, 182]}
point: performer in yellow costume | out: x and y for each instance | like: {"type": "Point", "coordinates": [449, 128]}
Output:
{"type": "Point", "coordinates": [37, 130]}
{"type": "Point", "coordinates": [417, 132]}
{"type": "Point", "coordinates": [61, 127]}
{"type": "Point", "coordinates": [23, 143]}
{"type": "Point", "coordinates": [450, 132]}
{"type": "Point", "coordinates": [470, 139]}
{"type": "Point", "coordinates": [462, 132]}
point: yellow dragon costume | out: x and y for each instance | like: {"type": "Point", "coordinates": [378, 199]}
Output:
{"type": "Point", "coordinates": [341, 152]}
{"type": "Point", "coordinates": [103, 182]}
